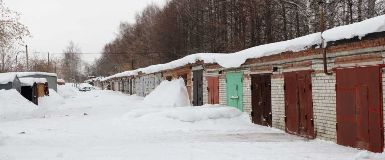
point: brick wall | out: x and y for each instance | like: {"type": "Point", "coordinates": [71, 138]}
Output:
{"type": "Point", "coordinates": [222, 90]}
{"type": "Point", "coordinates": [324, 102]}
{"type": "Point", "coordinates": [205, 91]}
{"type": "Point", "coordinates": [278, 102]}
{"type": "Point", "coordinates": [247, 94]}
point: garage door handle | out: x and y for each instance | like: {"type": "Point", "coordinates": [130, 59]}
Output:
{"type": "Point", "coordinates": [234, 97]}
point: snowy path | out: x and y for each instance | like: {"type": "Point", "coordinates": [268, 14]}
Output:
{"type": "Point", "coordinates": [120, 127]}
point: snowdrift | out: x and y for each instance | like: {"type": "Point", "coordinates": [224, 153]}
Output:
{"type": "Point", "coordinates": [188, 119]}
{"type": "Point", "coordinates": [194, 114]}
{"type": "Point", "coordinates": [54, 99]}
{"type": "Point", "coordinates": [13, 105]}
{"type": "Point", "coordinates": [67, 91]}
{"type": "Point", "coordinates": [169, 94]}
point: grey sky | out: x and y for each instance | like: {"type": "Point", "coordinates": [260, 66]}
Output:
{"type": "Point", "coordinates": [89, 23]}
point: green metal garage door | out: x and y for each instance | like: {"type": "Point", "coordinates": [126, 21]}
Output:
{"type": "Point", "coordinates": [234, 84]}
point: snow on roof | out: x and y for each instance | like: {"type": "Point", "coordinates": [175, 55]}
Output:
{"type": "Point", "coordinates": [233, 60]}
{"type": "Point", "coordinates": [30, 81]}
{"type": "Point", "coordinates": [7, 77]}
{"type": "Point", "coordinates": [61, 80]}
{"type": "Point", "coordinates": [27, 74]}
{"type": "Point", "coordinates": [94, 79]}
{"type": "Point", "coordinates": [360, 29]}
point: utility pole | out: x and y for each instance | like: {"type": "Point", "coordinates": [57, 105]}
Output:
{"type": "Point", "coordinates": [26, 54]}
{"type": "Point", "coordinates": [48, 64]}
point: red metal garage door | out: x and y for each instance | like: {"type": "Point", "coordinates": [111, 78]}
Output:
{"type": "Point", "coordinates": [299, 104]}
{"type": "Point", "coordinates": [359, 108]}
{"type": "Point", "coordinates": [213, 90]}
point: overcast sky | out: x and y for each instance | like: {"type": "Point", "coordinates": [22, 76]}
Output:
{"type": "Point", "coordinates": [89, 23]}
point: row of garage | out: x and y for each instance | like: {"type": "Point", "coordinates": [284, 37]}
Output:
{"type": "Point", "coordinates": [333, 93]}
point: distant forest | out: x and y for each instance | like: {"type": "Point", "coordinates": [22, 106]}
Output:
{"type": "Point", "coordinates": [183, 27]}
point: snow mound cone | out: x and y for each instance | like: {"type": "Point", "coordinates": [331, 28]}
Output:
{"type": "Point", "coordinates": [14, 105]}
{"type": "Point", "coordinates": [169, 94]}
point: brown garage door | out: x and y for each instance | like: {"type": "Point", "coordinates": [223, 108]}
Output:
{"type": "Point", "coordinates": [299, 104]}
{"type": "Point", "coordinates": [359, 108]}
{"type": "Point", "coordinates": [261, 99]}
{"type": "Point", "coordinates": [213, 90]}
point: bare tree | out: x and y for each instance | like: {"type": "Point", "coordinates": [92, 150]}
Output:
{"type": "Point", "coordinates": [11, 33]}
{"type": "Point", "coordinates": [71, 63]}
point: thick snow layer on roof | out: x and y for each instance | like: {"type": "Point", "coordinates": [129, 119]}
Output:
{"type": "Point", "coordinates": [61, 81]}
{"type": "Point", "coordinates": [360, 29]}
{"type": "Point", "coordinates": [30, 81]}
{"type": "Point", "coordinates": [297, 44]}
{"type": "Point", "coordinates": [93, 79]}
{"type": "Point", "coordinates": [7, 77]}
{"type": "Point", "coordinates": [233, 60]}
{"type": "Point", "coordinates": [27, 74]}
{"type": "Point", "coordinates": [190, 59]}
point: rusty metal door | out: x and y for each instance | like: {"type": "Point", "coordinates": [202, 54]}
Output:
{"type": "Point", "coordinates": [198, 88]}
{"type": "Point", "coordinates": [306, 123]}
{"type": "Point", "coordinates": [261, 99]}
{"type": "Point", "coordinates": [213, 90]}
{"type": "Point", "coordinates": [359, 108]}
{"type": "Point", "coordinates": [299, 104]}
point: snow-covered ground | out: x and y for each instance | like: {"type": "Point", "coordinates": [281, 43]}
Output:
{"type": "Point", "coordinates": [106, 125]}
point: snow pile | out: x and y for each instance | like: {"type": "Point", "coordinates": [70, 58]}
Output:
{"type": "Point", "coordinates": [30, 81]}
{"type": "Point", "coordinates": [187, 119]}
{"type": "Point", "coordinates": [67, 91]}
{"type": "Point", "coordinates": [169, 94]}
{"type": "Point", "coordinates": [7, 77]}
{"type": "Point", "coordinates": [360, 29]}
{"type": "Point", "coordinates": [13, 105]}
{"type": "Point", "coordinates": [54, 99]}
{"type": "Point", "coordinates": [189, 114]}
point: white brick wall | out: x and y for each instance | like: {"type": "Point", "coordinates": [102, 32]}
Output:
{"type": "Point", "coordinates": [222, 90]}
{"type": "Point", "coordinates": [278, 102]}
{"type": "Point", "coordinates": [247, 95]}
{"type": "Point", "coordinates": [205, 91]}
{"type": "Point", "coordinates": [324, 103]}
